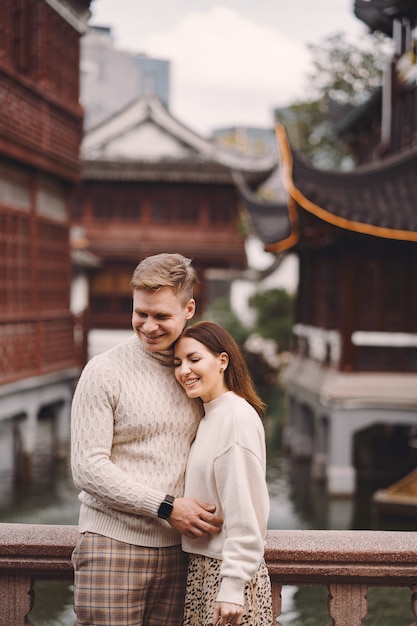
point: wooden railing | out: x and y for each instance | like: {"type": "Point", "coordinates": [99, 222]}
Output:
{"type": "Point", "coordinates": [346, 562]}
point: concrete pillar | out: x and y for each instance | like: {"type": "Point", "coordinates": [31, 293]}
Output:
{"type": "Point", "coordinates": [340, 473]}
{"type": "Point", "coordinates": [300, 439]}
{"type": "Point", "coordinates": [61, 429]}
{"type": "Point", "coordinates": [24, 434]}
{"type": "Point", "coordinates": [341, 480]}
{"type": "Point", "coordinates": [321, 445]}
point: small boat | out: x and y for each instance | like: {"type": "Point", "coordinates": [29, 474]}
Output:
{"type": "Point", "coordinates": [400, 498]}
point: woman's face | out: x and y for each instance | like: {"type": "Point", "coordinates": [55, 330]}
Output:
{"type": "Point", "coordinates": [198, 370]}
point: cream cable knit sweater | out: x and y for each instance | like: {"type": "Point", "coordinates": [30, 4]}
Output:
{"type": "Point", "coordinates": [131, 430]}
{"type": "Point", "coordinates": [227, 467]}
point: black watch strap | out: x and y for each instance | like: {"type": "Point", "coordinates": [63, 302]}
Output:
{"type": "Point", "coordinates": [166, 507]}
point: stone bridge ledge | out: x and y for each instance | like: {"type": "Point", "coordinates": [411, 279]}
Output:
{"type": "Point", "coordinates": [346, 562]}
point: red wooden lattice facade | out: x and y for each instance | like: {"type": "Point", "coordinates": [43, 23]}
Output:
{"type": "Point", "coordinates": [170, 192]}
{"type": "Point", "coordinates": [40, 133]}
{"type": "Point", "coordinates": [125, 223]}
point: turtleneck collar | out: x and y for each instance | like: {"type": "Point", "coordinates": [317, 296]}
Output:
{"type": "Point", "coordinates": [165, 357]}
{"type": "Point", "coordinates": [213, 403]}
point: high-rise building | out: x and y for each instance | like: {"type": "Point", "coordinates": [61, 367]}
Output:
{"type": "Point", "coordinates": [246, 140]}
{"type": "Point", "coordinates": [153, 77]}
{"type": "Point", "coordinates": [112, 78]}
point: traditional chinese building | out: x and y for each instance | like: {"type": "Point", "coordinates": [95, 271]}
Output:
{"type": "Point", "coordinates": [354, 358]}
{"type": "Point", "coordinates": [151, 185]}
{"type": "Point", "coordinates": [40, 135]}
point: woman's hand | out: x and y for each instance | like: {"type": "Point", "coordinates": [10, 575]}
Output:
{"type": "Point", "coordinates": [227, 613]}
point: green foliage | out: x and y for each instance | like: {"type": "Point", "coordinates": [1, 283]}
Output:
{"type": "Point", "coordinates": [274, 315]}
{"type": "Point", "coordinates": [314, 136]}
{"type": "Point", "coordinates": [345, 75]}
{"type": "Point", "coordinates": [220, 311]}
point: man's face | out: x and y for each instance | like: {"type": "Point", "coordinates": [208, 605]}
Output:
{"type": "Point", "coordinates": [159, 317]}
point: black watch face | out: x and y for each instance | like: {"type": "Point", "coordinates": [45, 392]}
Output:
{"type": "Point", "coordinates": [165, 510]}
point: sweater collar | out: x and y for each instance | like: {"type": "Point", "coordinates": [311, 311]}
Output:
{"type": "Point", "coordinates": [209, 406]}
{"type": "Point", "coordinates": [165, 357]}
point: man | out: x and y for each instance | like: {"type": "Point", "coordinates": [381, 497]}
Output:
{"type": "Point", "coordinates": [132, 426]}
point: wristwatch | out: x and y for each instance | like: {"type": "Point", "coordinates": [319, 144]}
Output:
{"type": "Point", "coordinates": [166, 507]}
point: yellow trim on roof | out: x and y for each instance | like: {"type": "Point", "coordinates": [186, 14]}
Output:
{"type": "Point", "coordinates": [291, 240]}
{"type": "Point", "coordinates": [360, 227]}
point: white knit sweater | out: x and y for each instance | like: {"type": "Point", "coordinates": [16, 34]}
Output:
{"type": "Point", "coordinates": [227, 467]}
{"type": "Point", "coordinates": [131, 430]}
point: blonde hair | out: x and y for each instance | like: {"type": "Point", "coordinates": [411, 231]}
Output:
{"type": "Point", "coordinates": [166, 270]}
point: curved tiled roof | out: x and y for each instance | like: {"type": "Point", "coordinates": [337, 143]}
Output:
{"type": "Point", "coordinates": [144, 141]}
{"type": "Point", "coordinates": [271, 222]}
{"type": "Point", "coordinates": [190, 170]}
{"type": "Point", "coordinates": [379, 199]}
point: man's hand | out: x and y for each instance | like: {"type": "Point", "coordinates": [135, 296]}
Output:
{"type": "Point", "coordinates": [194, 519]}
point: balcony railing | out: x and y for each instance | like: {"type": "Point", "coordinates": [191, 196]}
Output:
{"type": "Point", "coordinates": [346, 562]}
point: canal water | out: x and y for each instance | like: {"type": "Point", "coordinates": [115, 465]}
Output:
{"type": "Point", "coordinates": [296, 503]}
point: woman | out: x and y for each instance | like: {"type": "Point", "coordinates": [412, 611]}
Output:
{"type": "Point", "coordinates": [228, 582]}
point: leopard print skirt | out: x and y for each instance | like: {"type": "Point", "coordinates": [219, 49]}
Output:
{"type": "Point", "coordinates": [203, 585]}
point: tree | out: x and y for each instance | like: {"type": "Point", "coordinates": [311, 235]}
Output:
{"type": "Point", "coordinates": [274, 316]}
{"type": "Point", "coordinates": [220, 311]}
{"type": "Point", "coordinates": [343, 76]}
{"type": "Point", "coordinates": [347, 73]}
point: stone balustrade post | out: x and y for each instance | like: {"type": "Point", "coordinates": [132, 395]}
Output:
{"type": "Point", "coordinates": [347, 604]}
{"type": "Point", "coordinates": [30, 552]}
{"type": "Point", "coordinates": [15, 599]}
{"type": "Point", "coordinates": [413, 603]}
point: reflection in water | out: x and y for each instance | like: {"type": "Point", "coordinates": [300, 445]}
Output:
{"type": "Point", "coordinates": [308, 607]}
{"type": "Point", "coordinates": [53, 604]}
{"type": "Point", "coordinates": [296, 503]}
{"type": "Point", "coordinates": [50, 498]}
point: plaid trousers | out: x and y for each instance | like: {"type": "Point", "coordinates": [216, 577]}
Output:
{"type": "Point", "coordinates": [119, 584]}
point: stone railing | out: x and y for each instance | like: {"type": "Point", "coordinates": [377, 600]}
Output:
{"type": "Point", "coordinates": [344, 562]}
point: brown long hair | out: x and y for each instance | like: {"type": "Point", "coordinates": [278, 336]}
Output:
{"type": "Point", "coordinates": [236, 376]}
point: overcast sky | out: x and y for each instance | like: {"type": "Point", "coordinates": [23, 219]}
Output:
{"type": "Point", "coordinates": [232, 61]}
